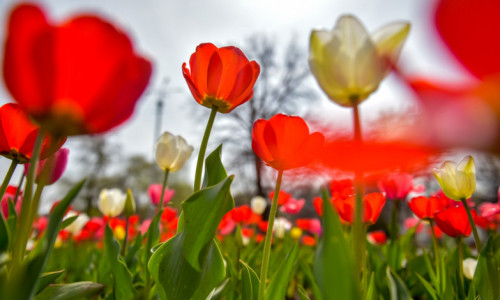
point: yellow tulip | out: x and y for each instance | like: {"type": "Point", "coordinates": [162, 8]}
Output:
{"type": "Point", "coordinates": [457, 181]}
{"type": "Point", "coordinates": [349, 63]}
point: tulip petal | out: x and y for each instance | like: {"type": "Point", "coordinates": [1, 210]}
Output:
{"type": "Point", "coordinates": [214, 74]}
{"type": "Point", "coordinates": [198, 63]}
{"type": "Point", "coordinates": [389, 40]}
{"type": "Point", "coordinates": [466, 177]}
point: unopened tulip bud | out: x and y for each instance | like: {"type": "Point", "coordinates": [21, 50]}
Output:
{"type": "Point", "coordinates": [129, 208]}
{"type": "Point", "coordinates": [457, 181]}
{"type": "Point", "coordinates": [172, 152]}
{"type": "Point", "coordinates": [111, 202]}
{"type": "Point", "coordinates": [49, 170]}
{"type": "Point", "coordinates": [258, 205]}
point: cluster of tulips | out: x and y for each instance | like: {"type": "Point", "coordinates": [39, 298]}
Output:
{"type": "Point", "coordinates": [83, 76]}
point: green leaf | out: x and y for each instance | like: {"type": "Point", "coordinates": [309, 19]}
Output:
{"type": "Point", "coordinates": [48, 278]}
{"type": "Point", "coordinates": [4, 234]}
{"type": "Point", "coordinates": [430, 289]}
{"type": "Point", "coordinates": [397, 287]}
{"type": "Point", "coordinates": [122, 279]}
{"type": "Point", "coordinates": [24, 279]}
{"type": "Point", "coordinates": [371, 293]}
{"type": "Point", "coordinates": [65, 223]}
{"type": "Point", "coordinates": [77, 290]}
{"type": "Point", "coordinates": [153, 236]}
{"type": "Point", "coordinates": [203, 212]}
{"type": "Point", "coordinates": [486, 277]}
{"type": "Point", "coordinates": [280, 280]}
{"type": "Point", "coordinates": [333, 262]}
{"type": "Point", "coordinates": [175, 276]}
{"type": "Point", "coordinates": [250, 283]}
{"type": "Point", "coordinates": [302, 293]}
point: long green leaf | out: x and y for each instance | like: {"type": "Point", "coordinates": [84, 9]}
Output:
{"type": "Point", "coordinates": [281, 279]}
{"type": "Point", "coordinates": [397, 287]}
{"type": "Point", "coordinates": [4, 234]}
{"type": "Point", "coordinates": [250, 283]}
{"type": "Point", "coordinates": [333, 263]}
{"type": "Point", "coordinates": [77, 290]}
{"type": "Point", "coordinates": [430, 289]}
{"type": "Point", "coordinates": [122, 279]}
{"type": "Point", "coordinates": [48, 278]}
{"type": "Point", "coordinates": [486, 277]}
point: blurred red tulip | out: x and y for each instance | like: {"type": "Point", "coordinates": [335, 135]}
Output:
{"type": "Point", "coordinates": [80, 76]}
{"type": "Point", "coordinates": [372, 204]}
{"type": "Point", "coordinates": [425, 207]}
{"type": "Point", "coordinates": [396, 186]}
{"type": "Point", "coordinates": [293, 206]}
{"type": "Point", "coordinates": [9, 195]}
{"type": "Point", "coordinates": [377, 237]}
{"type": "Point", "coordinates": [313, 226]}
{"type": "Point", "coordinates": [168, 214]}
{"type": "Point", "coordinates": [308, 241]}
{"type": "Point", "coordinates": [283, 197]}
{"type": "Point", "coordinates": [453, 221]}
{"type": "Point", "coordinates": [18, 134]}
{"type": "Point", "coordinates": [221, 77]}
{"type": "Point", "coordinates": [284, 142]}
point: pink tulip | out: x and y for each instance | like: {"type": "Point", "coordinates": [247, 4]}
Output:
{"type": "Point", "coordinates": [293, 206]}
{"type": "Point", "coordinates": [50, 169]}
{"type": "Point", "coordinates": [396, 186]}
{"type": "Point", "coordinates": [154, 192]}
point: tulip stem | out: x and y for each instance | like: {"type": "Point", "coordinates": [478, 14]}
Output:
{"type": "Point", "coordinates": [460, 266]}
{"type": "Point", "coordinates": [203, 149]}
{"type": "Point", "coordinates": [269, 235]}
{"type": "Point", "coordinates": [436, 256]}
{"type": "Point", "coordinates": [473, 225]}
{"type": "Point", "coordinates": [124, 248]}
{"type": "Point", "coordinates": [7, 178]}
{"type": "Point", "coordinates": [18, 190]}
{"type": "Point", "coordinates": [23, 223]}
{"type": "Point", "coordinates": [357, 230]}
{"type": "Point", "coordinates": [164, 186]}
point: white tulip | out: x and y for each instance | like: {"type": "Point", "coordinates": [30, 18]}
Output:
{"type": "Point", "coordinates": [281, 226]}
{"type": "Point", "coordinates": [258, 205]}
{"type": "Point", "coordinates": [172, 152]}
{"type": "Point", "coordinates": [349, 63]}
{"type": "Point", "coordinates": [77, 225]}
{"type": "Point", "coordinates": [111, 202]}
{"type": "Point", "coordinates": [469, 265]}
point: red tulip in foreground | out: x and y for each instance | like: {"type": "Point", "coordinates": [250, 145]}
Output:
{"type": "Point", "coordinates": [283, 143]}
{"type": "Point", "coordinates": [220, 77]}
{"type": "Point", "coordinates": [80, 76]}
{"type": "Point", "coordinates": [453, 221]}
{"type": "Point", "coordinates": [18, 134]}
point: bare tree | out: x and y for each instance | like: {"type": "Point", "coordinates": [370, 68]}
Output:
{"type": "Point", "coordinates": [281, 88]}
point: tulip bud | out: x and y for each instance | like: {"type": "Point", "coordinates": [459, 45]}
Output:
{"type": "Point", "coordinates": [258, 205]}
{"type": "Point", "coordinates": [172, 152]}
{"type": "Point", "coordinates": [469, 265]}
{"type": "Point", "coordinates": [111, 202]}
{"type": "Point", "coordinates": [457, 181]}
{"type": "Point", "coordinates": [349, 63]}
{"type": "Point", "coordinates": [129, 208]}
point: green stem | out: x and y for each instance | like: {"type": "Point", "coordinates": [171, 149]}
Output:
{"type": "Point", "coordinates": [357, 230]}
{"type": "Point", "coordinates": [164, 186]}
{"type": "Point", "coordinates": [436, 255]}
{"type": "Point", "coordinates": [7, 178]}
{"type": "Point", "coordinates": [124, 248]}
{"type": "Point", "coordinates": [269, 235]}
{"type": "Point", "coordinates": [203, 149]}
{"type": "Point", "coordinates": [473, 225]}
{"type": "Point", "coordinates": [18, 190]}
{"type": "Point", "coordinates": [460, 266]}
{"type": "Point", "coordinates": [36, 203]}
{"type": "Point", "coordinates": [23, 223]}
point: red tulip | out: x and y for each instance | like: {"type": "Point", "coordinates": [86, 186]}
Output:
{"type": "Point", "coordinates": [18, 134]}
{"type": "Point", "coordinates": [284, 142]}
{"type": "Point", "coordinates": [311, 225]}
{"type": "Point", "coordinates": [471, 42]}
{"type": "Point", "coordinates": [308, 241]}
{"type": "Point", "coordinates": [80, 76]}
{"type": "Point", "coordinates": [9, 195]}
{"type": "Point", "coordinates": [377, 237]}
{"type": "Point", "coordinates": [221, 77]}
{"type": "Point", "coordinates": [453, 221]}
{"type": "Point", "coordinates": [293, 206]}
{"type": "Point", "coordinates": [396, 186]}
{"type": "Point", "coordinates": [372, 204]}
{"type": "Point", "coordinates": [283, 197]}
{"type": "Point", "coordinates": [425, 207]}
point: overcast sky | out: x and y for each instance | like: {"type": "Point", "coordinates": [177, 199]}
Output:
{"type": "Point", "coordinates": [168, 32]}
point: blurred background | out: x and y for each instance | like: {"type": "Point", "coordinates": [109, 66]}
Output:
{"type": "Point", "coordinates": [273, 32]}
